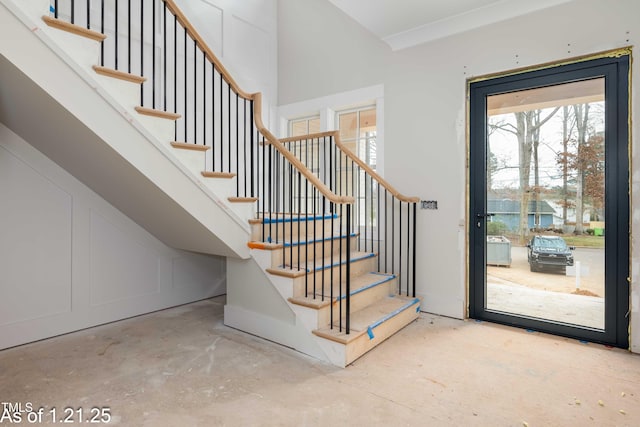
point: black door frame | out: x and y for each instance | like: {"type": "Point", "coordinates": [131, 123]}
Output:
{"type": "Point", "coordinates": [615, 67]}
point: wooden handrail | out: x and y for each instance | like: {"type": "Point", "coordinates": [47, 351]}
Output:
{"type": "Point", "coordinates": [309, 136]}
{"type": "Point", "coordinates": [182, 19]}
{"type": "Point", "coordinates": [336, 135]}
{"type": "Point", "coordinates": [257, 108]}
{"type": "Point", "coordinates": [271, 139]}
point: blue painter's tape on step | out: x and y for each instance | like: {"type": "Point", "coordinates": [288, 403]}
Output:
{"type": "Point", "coordinates": [418, 308]}
{"type": "Point", "coordinates": [394, 313]}
{"type": "Point", "coordinates": [325, 239]}
{"type": "Point", "coordinates": [364, 288]}
{"type": "Point", "coordinates": [370, 333]}
{"type": "Point", "coordinates": [52, 9]}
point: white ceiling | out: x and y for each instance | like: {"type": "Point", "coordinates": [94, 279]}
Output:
{"type": "Point", "coordinates": [405, 23]}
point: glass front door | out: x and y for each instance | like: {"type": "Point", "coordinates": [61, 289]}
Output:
{"type": "Point", "coordinates": [549, 204]}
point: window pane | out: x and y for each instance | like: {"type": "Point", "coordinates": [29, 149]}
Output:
{"type": "Point", "coordinates": [367, 122]}
{"type": "Point", "coordinates": [348, 125]}
{"type": "Point", "coordinates": [299, 128]}
{"type": "Point", "coordinates": [314, 125]}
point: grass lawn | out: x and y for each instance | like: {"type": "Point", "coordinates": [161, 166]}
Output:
{"type": "Point", "coordinates": [584, 241]}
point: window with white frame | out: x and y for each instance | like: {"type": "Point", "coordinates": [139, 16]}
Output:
{"type": "Point", "coordinates": [304, 126]}
{"type": "Point", "coordinates": [358, 132]}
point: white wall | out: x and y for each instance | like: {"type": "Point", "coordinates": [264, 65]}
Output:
{"type": "Point", "coordinates": [322, 52]}
{"type": "Point", "coordinates": [70, 260]}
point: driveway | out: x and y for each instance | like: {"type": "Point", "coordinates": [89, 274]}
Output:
{"type": "Point", "coordinates": [591, 278]}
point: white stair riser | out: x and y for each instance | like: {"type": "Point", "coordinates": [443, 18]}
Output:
{"type": "Point", "coordinates": [302, 253]}
{"type": "Point", "coordinates": [36, 8]}
{"type": "Point", "coordinates": [357, 268]}
{"type": "Point", "coordinates": [223, 187]}
{"type": "Point", "coordinates": [162, 129]}
{"type": "Point", "coordinates": [358, 301]}
{"type": "Point", "coordinates": [125, 93]}
{"type": "Point", "coordinates": [289, 230]}
{"type": "Point", "coordinates": [194, 160]}
{"type": "Point", "coordinates": [84, 51]}
{"type": "Point", "coordinates": [363, 344]}
{"type": "Point", "coordinates": [244, 210]}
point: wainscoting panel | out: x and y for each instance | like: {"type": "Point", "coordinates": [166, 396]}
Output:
{"type": "Point", "coordinates": [70, 260]}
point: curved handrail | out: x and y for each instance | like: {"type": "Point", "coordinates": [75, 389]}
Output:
{"type": "Point", "coordinates": [271, 139]}
{"type": "Point", "coordinates": [336, 135]}
{"type": "Point", "coordinates": [257, 108]}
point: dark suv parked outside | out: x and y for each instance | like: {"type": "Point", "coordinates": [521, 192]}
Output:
{"type": "Point", "coordinates": [549, 252]}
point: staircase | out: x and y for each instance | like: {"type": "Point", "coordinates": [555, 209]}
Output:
{"type": "Point", "coordinates": [320, 249]}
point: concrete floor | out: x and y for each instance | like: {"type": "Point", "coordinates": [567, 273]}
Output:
{"type": "Point", "coordinates": [183, 367]}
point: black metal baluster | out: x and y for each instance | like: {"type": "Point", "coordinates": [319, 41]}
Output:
{"type": "Point", "coordinates": [204, 100]}
{"type": "Point", "coordinates": [400, 241]}
{"type": "Point", "coordinates": [272, 194]}
{"type": "Point", "coordinates": [142, 50]}
{"type": "Point", "coordinates": [408, 246]}
{"type": "Point", "coordinates": [366, 216]}
{"type": "Point", "coordinates": [195, 92]}
{"type": "Point", "coordinates": [386, 217]}
{"type": "Point", "coordinates": [263, 199]}
{"type": "Point", "coordinates": [129, 36]}
{"type": "Point", "coordinates": [73, 11]}
{"type": "Point", "coordinates": [340, 294]}
{"type": "Point", "coordinates": [186, 83]}
{"type": "Point", "coordinates": [323, 245]}
{"type": "Point", "coordinates": [251, 165]}
{"type": "Point", "coordinates": [175, 73]}
{"type": "Point", "coordinates": [299, 218]}
{"type": "Point", "coordinates": [314, 215]}
{"type": "Point", "coordinates": [378, 225]}
{"type": "Point", "coordinates": [393, 238]}
{"type": "Point", "coordinates": [348, 273]}
{"type": "Point", "coordinates": [291, 213]}
{"type": "Point", "coordinates": [222, 134]}
{"type": "Point", "coordinates": [237, 127]}
{"type": "Point", "coordinates": [371, 184]}
{"type": "Point", "coordinates": [414, 249]}
{"type": "Point", "coordinates": [116, 35]}
{"type": "Point", "coordinates": [164, 53]}
{"type": "Point", "coordinates": [102, 31]}
{"type": "Point", "coordinates": [213, 117]}
{"type": "Point", "coordinates": [55, 9]}
{"type": "Point", "coordinates": [331, 207]}
{"type": "Point", "coordinates": [153, 54]}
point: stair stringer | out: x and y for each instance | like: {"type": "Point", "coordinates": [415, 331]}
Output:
{"type": "Point", "coordinates": [256, 305]}
{"type": "Point", "coordinates": [306, 318]}
{"type": "Point", "coordinates": [112, 133]}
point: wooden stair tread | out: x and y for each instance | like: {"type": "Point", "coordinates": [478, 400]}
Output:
{"type": "Point", "coordinates": [227, 175]}
{"type": "Point", "coordinates": [365, 321]}
{"type": "Point", "coordinates": [188, 146]}
{"type": "Point", "coordinates": [358, 284]}
{"type": "Point", "coordinates": [117, 74]}
{"type": "Point", "coordinates": [264, 246]}
{"type": "Point", "coordinates": [73, 29]}
{"type": "Point", "coordinates": [242, 199]}
{"type": "Point", "coordinates": [157, 113]}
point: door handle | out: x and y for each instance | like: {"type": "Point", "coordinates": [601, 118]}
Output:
{"type": "Point", "coordinates": [481, 216]}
